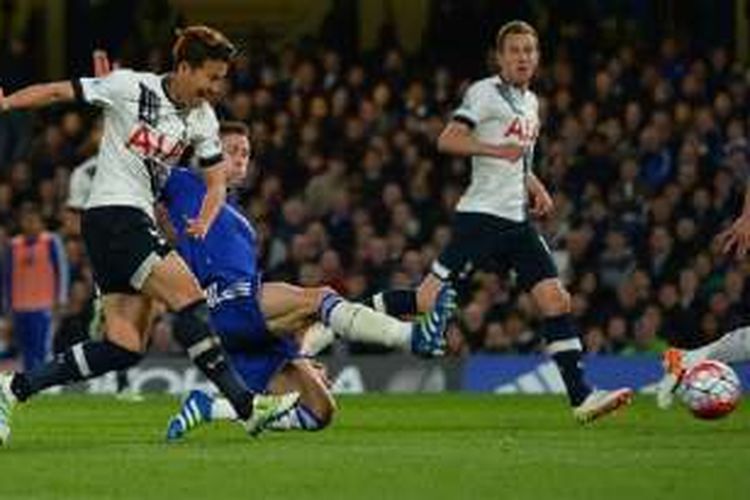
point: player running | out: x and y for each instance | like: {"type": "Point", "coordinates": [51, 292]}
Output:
{"type": "Point", "coordinates": [260, 323]}
{"type": "Point", "coordinates": [149, 122]}
{"type": "Point", "coordinates": [79, 190]}
{"type": "Point", "coordinates": [497, 126]}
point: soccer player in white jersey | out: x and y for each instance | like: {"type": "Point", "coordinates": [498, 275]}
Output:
{"type": "Point", "coordinates": [497, 126]}
{"type": "Point", "coordinates": [79, 189]}
{"type": "Point", "coordinates": [150, 121]}
{"type": "Point", "coordinates": [732, 347]}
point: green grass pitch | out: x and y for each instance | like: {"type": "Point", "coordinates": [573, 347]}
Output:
{"type": "Point", "coordinates": [381, 447]}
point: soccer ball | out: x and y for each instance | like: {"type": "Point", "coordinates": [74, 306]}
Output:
{"type": "Point", "coordinates": [710, 389]}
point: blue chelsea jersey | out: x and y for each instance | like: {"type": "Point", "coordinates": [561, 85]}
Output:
{"type": "Point", "coordinates": [225, 261]}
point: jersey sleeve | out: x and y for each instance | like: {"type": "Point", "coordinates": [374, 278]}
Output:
{"type": "Point", "coordinates": [205, 140]}
{"type": "Point", "coordinates": [472, 109]}
{"type": "Point", "coordinates": [106, 90]}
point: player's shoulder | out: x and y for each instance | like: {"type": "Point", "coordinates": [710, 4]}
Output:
{"type": "Point", "coordinates": [205, 116]}
{"type": "Point", "coordinates": [184, 174]}
{"type": "Point", "coordinates": [483, 86]}
{"type": "Point", "coordinates": [533, 98]}
{"type": "Point", "coordinates": [184, 178]}
{"type": "Point", "coordinates": [181, 180]}
{"type": "Point", "coordinates": [128, 81]}
{"type": "Point", "coordinates": [125, 75]}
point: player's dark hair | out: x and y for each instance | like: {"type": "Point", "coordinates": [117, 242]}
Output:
{"type": "Point", "coordinates": [516, 27]}
{"type": "Point", "coordinates": [234, 127]}
{"type": "Point", "coordinates": [198, 44]}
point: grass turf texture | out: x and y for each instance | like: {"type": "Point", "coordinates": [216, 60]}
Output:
{"type": "Point", "coordinates": [383, 447]}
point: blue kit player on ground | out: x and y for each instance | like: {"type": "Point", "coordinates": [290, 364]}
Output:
{"type": "Point", "coordinates": [262, 324]}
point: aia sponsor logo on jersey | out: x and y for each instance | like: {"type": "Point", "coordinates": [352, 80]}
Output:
{"type": "Point", "coordinates": [524, 130]}
{"type": "Point", "coordinates": [147, 142]}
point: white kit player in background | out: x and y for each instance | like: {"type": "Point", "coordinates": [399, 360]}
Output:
{"type": "Point", "coordinates": [497, 126]}
{"type": "Point", "coordinates": [150, 122]}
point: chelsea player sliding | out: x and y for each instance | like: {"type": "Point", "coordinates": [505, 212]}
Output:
{"type": "Point", "coordinates": [262, 324]}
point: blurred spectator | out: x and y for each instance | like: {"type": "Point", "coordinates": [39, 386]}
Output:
{"type": "Point", "coordinates": [35, 282]}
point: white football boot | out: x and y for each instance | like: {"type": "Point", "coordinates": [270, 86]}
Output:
{"type": "Point", "coordinates": [601, 403]}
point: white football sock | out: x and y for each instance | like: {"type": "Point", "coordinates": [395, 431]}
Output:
{"type": "Point", "coordinates": [222, 409]}
{"type": "Point", "coordinates": [732, 347]}
{"type": "Point", "coordinates": [298, 418]}
{"type": "Point", "coordinates": [360, 323]}
{"type": "Point", "coordinates": [316, 338]}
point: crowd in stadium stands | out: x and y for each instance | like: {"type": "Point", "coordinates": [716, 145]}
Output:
{"type": "Point", "coordinates": [646, 155]}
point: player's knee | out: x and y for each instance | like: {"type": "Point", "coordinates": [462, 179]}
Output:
{"type": "Point", "coordinates": [552, 299]}
{"type": "Point", "coordinates": [316, 295]}
{"type": "Point", "coordinates": [315, 298]}
{"type": "Point", "coordinates": [191, 323]}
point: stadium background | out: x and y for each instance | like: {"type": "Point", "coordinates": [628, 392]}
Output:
{"type": "Point", "coordinates": [644, 146]}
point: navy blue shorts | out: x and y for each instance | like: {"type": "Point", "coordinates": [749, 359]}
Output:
{"type": "Point", "coordinates": [486, 242]}
{"type": "Point", "coordinates": [253, 352]}
{"type": "Point", "coordinates": [123, 245]}
{"type": "Point", "coordinates": [257, 369]}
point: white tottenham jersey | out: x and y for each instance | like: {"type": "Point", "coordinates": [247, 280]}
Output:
{"type": "Point", "coordinates": [145, 133]}
{"type": "Point", "coordinates": [499, 114]}
{"type": "Point", "coordinates": [80, 184]}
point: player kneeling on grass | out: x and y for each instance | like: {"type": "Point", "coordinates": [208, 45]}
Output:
{"type": "Point", "coordinates": [257, 320]}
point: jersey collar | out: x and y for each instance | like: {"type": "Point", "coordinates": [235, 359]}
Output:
{"type": "Point", "coordinates": [500, 81]}
{"type": "Point", "coordinates": [165, 88]}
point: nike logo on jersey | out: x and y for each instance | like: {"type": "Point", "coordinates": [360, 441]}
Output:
{"type": "Point", "coordinates": [149, 143]}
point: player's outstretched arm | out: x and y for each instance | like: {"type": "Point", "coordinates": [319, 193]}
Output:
{"type": "Point", "coordinates": [737, 237]}
{"type": "Point", "coordinates": [457, 139]}
{"type": "Point", "coordinates": [37, 96]}
{"type": "Point", "coordinates": [216, 192]}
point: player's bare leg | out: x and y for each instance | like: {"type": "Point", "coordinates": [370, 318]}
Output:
{"type": "Point", "coordinates": [565, 348]}
{"type": "Point", "coordinates": [126, 320]}
{"type": "Point", "coordinates": [122, 348]}
{"type": "Point", "coordinates": [316, 407]}
{"type": "Point", "coordinates": [314, 410]}
{"type": "Point", "coordinates": [290, 308]}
